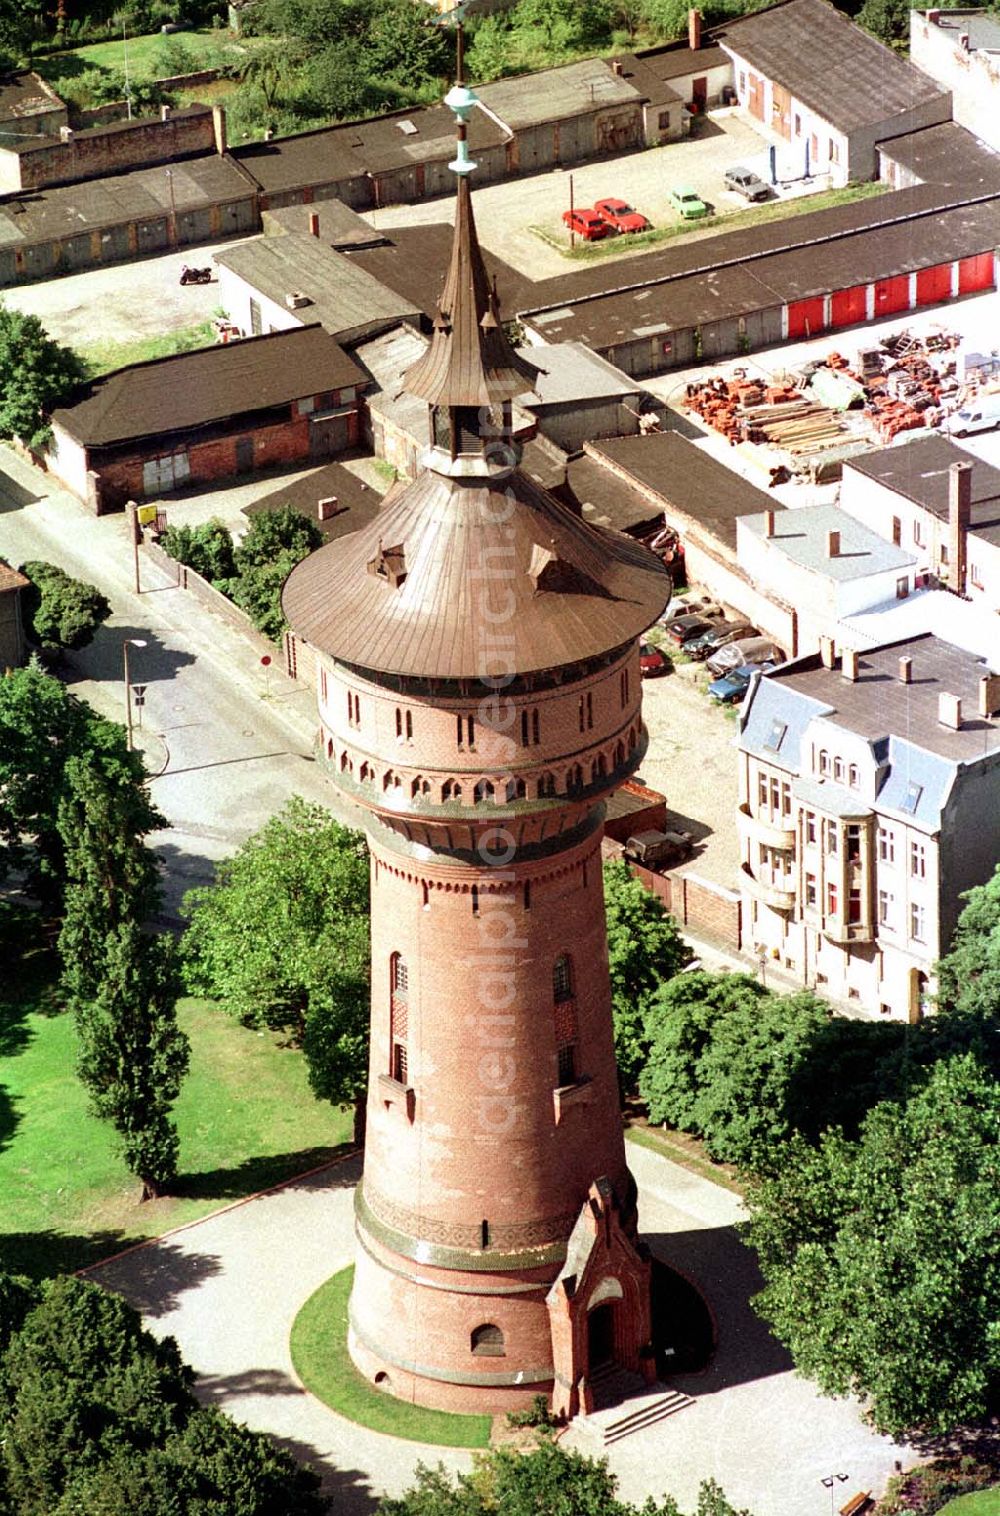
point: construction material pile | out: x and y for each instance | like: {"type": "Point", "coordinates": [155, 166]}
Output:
{"type": "Point", "coordinates": [907, 381]}
{"type": "Point", "coordinates": [750, 410]}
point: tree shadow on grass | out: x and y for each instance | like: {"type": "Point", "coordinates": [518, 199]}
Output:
{"type": "Point", "coordinates": [46, 1252]}
{"type": "Point", "coordinates": [293, 1170]}
{"type": "Point", "coordinates": [30, 988]}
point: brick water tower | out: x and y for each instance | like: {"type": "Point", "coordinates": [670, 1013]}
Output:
{"type": "Point", "coordinates": [479, 697]}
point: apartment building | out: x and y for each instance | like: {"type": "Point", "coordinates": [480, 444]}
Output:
{"type": "Point", "coordinates": [869, 800]}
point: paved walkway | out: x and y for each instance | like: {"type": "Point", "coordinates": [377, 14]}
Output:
{"type": "Point", "coordinates": [229, 1287]}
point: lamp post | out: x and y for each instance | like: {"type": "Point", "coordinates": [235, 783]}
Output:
{"type": "Point", "coordinates": [830, 1482]}
{"type": "Point", "coordinates": [126, 644]}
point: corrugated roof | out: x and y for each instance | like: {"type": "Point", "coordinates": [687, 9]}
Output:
{"type": "Point", "coordinates": [834, 67]}
{"type": "Point", "coordinates": [686, 479]}
{"type": "Point", "coordinates": [339, 226]}
{"type": "Point", "coordinates": [553, 94]}
{"type": "Point", "coordinates": [948, 155]}
{"type": "Point", "coordinates": [194, 389]}
{"type": "Point", "coordinates": [568, 372]}
{"type": "Point", "coordinates": [344, 298]}
{"type": "Point", "coordinates": [605, 589]}
{"type": "Point", "coordinates": [605, 499]}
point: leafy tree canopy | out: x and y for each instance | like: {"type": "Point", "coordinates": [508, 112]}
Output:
{"type": "Point", "coordinates": [36, 375]}
{"type": "Point", "coordinates": [881, 1257]}
{"type": "Point", "coordinates": [207, 548]}
{"type": "Point", "coordinates": [548, 1481]}
{"type": "Point", "coordinates": [645, 948]}
{"type": "Point", "coordinates": [679, 1025]}
{"type": "Point", "coordinates": [282, 940]}
{"type": "Point", "coordinates": [59, 611]}
{"type": "Point", "coordinates": [97, 1416]}
{"type": "Point", "coordinates": [969, 974]}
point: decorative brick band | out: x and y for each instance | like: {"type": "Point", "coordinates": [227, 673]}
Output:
{"type": "Point", "coordinates": [457, 1247]}
{"type": "Point", "coordinates": [448, 1286]}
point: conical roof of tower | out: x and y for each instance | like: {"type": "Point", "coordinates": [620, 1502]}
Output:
{"type": "Point", "coordinates": [469, 360]}
{"type": "Point", "coordinates": [461, 578]}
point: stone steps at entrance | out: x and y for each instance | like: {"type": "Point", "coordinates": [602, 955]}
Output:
{"type": "Point", "coordinates": [624, 1404]}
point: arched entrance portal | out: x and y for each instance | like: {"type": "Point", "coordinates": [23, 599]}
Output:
{"type": "Point", "coordinates": [601, 1336]}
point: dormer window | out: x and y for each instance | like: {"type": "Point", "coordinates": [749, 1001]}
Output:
{"type": "Point", "coordinates": [389, 564]}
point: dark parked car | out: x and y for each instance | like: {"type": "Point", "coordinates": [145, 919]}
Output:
{"type": "Point", "coordinates": [731, 687]}
{"type": "Point", "coordinates": [710, 642]}
{"type": "Point", "coordinates": [746, 183]}
{"type": "Point", "coordinates": [684, 628]}
{"type": "Point", "coordinates": [651, 661]}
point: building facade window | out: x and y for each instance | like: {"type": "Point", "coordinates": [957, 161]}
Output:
{"type": "Point", "coordinates": [854, 906]}
{"type": "Point", "coordinates": [824, 761]}
{"type": "Point", "coordinates": [564, 1008]}
{"type": "Point", "coordinates": [884, 908]}
{"type": "Point", "coordinates": [853, 841]}
{"type": "Point", "coordinates": [399, 1010]}
{"type": "Point", "coordinates": [918, 923]}
{"type": "Point", "coordinates": [762, 791]}
{"type": "Point", "coordinates": [918, 860]}
{"type": "Point", "coordinates": [832, 845]}
{"type": "Point", "coordinates": [623, 687]}
{"type": "Point", "coordinates": [811, 896]}
{"type": "Point", "coordinates": [810, 826]}
{"type": "Point", "coordinates": [854, 777]}
{"type": "Point", "coordinates": [838, 769]}
{"type": "Point", "coordinates": [886, 845]}
{"type": "Point", "coordinates": [831, 899]}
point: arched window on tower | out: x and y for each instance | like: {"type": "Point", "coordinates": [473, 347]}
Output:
{"type": "Point", "coordinates": [598, 769]}
{"type": "Point", "coordinates": [619, 754]}
{"type": "Point", "coordinates": [399, 1006]}
{"type": "Point", "coordinates": [487, 1341]}
{"type": "Point", "coordinates": [574, 778]}
{"type": "Point", "coordinates": [485, 791]}
{"type": "Point", "coordinates": [546, 785]}
{"type": "Point", "coordinates": [564, 1011]}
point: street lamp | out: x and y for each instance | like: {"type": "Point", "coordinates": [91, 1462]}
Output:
{"type": "Point", "coordinates": [830, 1482]}
{"type": "Point", "coordinates": [126, 644]}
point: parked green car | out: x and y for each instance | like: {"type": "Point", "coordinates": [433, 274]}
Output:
{"type": "Point", "coordinates": [686, 202]}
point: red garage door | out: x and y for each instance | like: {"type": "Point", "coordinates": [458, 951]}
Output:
{"type": "Point", "coordinates": [892, 294]}
{"type": "Point", "coordinates": [934, 284]}
{"type": "Point", "coordinates": [805, 318]}
{"type": "Point", "coordinates": [975, 273]}
{"type": "Point", "coordinates": [848, 307]}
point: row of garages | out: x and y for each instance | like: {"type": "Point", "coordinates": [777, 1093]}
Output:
{"type": "Point", "coordinates": [885, 297]}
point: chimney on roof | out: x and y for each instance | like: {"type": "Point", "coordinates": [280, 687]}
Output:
{"type": "Point", "coordinates": [833, 544]}
{"type": "Point", "coordinates": [989, 694]}
{"type": "Point", "coordinates": [950, 711]}
{"type": "Point", "coordinates": [849, 664]}
{"type": "Point", "coordinates": [906, 670]}
{"type": "Point", "coordinates": [66, 133]}
{"type": "Point", "coordinates": [314, 223]}
{"type": "Point", "coordinates": [164, 112]}
{"type": "Point", "coordinates": [963, 41]}
{"type": "Point", "coordinates": [827, 652]}
{"type": "Point", "coordinates": [269, 134]}
{"type": "Point", "coordinates": [933, 17]}
{"type": "Point", "coordinates": [326, 508]}
{"type": "Point", "coordinates": [694, 29]}
{"type": "Point", "coordinates": [219, 129]}
{"type": "Point", "coordinates": [959, 520]}
{"type": "Point", "coordinates": [617, 67]}
{"type": "Point", "coordinates": [769, 523]}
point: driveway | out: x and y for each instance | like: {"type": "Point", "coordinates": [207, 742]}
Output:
{"type": "Point", "coordinates": [505, 213]}
{"type": "Point", "coordinates": [229, 1287]}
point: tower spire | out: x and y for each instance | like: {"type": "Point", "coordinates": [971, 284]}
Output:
{"type": "Point", "coordinates": [469, 361]}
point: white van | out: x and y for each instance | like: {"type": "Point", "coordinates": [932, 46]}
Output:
{"type": "Point", "coordinates": [979, 415]}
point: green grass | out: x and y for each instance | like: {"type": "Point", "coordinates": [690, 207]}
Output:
{"type": "Point", "coordinates": [979, 1503]}
{"type": "Point", "coordinates": [776, 210]}
{"type": "Point", "coordinates": [322, 1362]}
{"type": "Point", "coordinates": [146, 55]}
{"type": "Point", "coordinates": [103, 355]}
{"type": "Point", "coordinates": [246, 1120]}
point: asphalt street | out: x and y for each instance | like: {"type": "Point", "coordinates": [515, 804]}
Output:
{"type": "Point", "coordinates": [226, 740]}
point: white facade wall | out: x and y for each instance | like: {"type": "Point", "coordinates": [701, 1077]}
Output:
{"type": "Point", "coordinates": [235, 296]}
{"type": "Point", "coordinates": [972, 77]}
{"type": "Point", "coordinates": [828, 148]}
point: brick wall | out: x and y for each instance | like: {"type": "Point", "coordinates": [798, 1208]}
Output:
{"type": "Point", "coordinates": [107, 150]}
{"type": "Point", "coordinates": [699, 903]}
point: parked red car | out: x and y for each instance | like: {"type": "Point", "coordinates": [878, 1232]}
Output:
{"type": "Point", "coordinates": [620, 215]}
{"type": "Point", "coordinates": [586, 223]}
{"type": "Point", "coordinates": [651, 661]}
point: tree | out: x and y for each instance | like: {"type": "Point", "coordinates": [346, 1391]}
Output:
{"type": "Point", "coordinates": [275, 543]}
{"type": "Point", "coordinates": [281, 939]}
{"type": "Point", "coordinates": [133, 1055]}
{"type": "Point", "coordinates": [679, 1026]}
{"type": "Point", "coordinates": [547, 1481]}
{"type": "Point", "coordinates": [207, 548]}
{"type": "Point", "coordinates": [36, 375]}
{"type": "Point", "coordinates": [969, 974]}
{"type": "Point", "coordinates": [881, 1257]}
{"type": "Point", "coordinates": [645, 948]}
{"type": "Point", "coordinates": [58, 611]}
{"type": "Point", "coordinates": [98, 1416]}
{"type": "Point", "coordinates": [111, 876]}
{"type": "Point", "coordinates": [19, 25]}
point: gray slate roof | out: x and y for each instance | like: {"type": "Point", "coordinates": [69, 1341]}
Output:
{"type": "Point", "coordinates": [918, 470]}
{"type": "Point", "coordinates": [834, 67]}
{"type": "Point", "coordinates": [570, 372]}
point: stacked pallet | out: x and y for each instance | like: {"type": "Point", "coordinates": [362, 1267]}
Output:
{"type": "Point", "coordinates": [797, 426]}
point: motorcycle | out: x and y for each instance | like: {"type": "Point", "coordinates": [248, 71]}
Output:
{"type": "Point", "coordinates": [195, 275]}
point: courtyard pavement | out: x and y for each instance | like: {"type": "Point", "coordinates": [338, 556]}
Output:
{"type": "Point", "coordinates": [229, 1287]}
